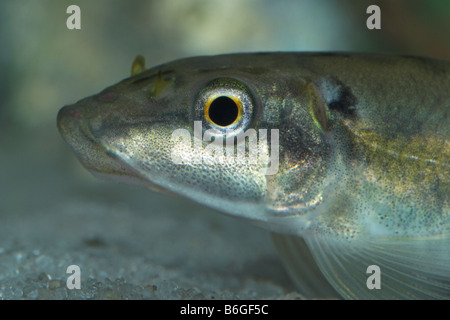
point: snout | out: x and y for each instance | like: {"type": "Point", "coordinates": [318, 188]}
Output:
{"type": "Point", "coordinates": [73, 126]}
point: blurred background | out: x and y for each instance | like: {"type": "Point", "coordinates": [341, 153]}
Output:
{"type": "Point", "coordinates": [130, 242]}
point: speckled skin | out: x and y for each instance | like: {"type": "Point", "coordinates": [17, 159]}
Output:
{"type": "Point", "coordinates": [363, 143]}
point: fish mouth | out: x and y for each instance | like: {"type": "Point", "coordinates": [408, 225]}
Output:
{"type": "Point", "coordinates": [74, 128]}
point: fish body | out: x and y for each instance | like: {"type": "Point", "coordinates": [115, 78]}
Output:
{"type": "Point", "coordinates": [345, 157]}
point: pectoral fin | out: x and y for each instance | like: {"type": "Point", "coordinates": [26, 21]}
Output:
{"type": "Point", "coordinates": [408, 268]}
{"type": "Point", "coordinates": [302, 268]}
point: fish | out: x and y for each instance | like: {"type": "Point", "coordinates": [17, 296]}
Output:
{"type": "Point", "coordinates": [342, 157]}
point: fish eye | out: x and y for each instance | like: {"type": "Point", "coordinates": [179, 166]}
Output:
{"type": "Point", "coordinates": [223, 111]}
{"type": "Point", "coordinates": [225, 106]}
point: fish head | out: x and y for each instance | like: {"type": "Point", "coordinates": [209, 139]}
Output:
{"type": "Point", "coordinates": [235, 132]}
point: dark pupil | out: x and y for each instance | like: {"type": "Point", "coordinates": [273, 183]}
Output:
{"type": "Point", "coordinates": [223, 111]}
